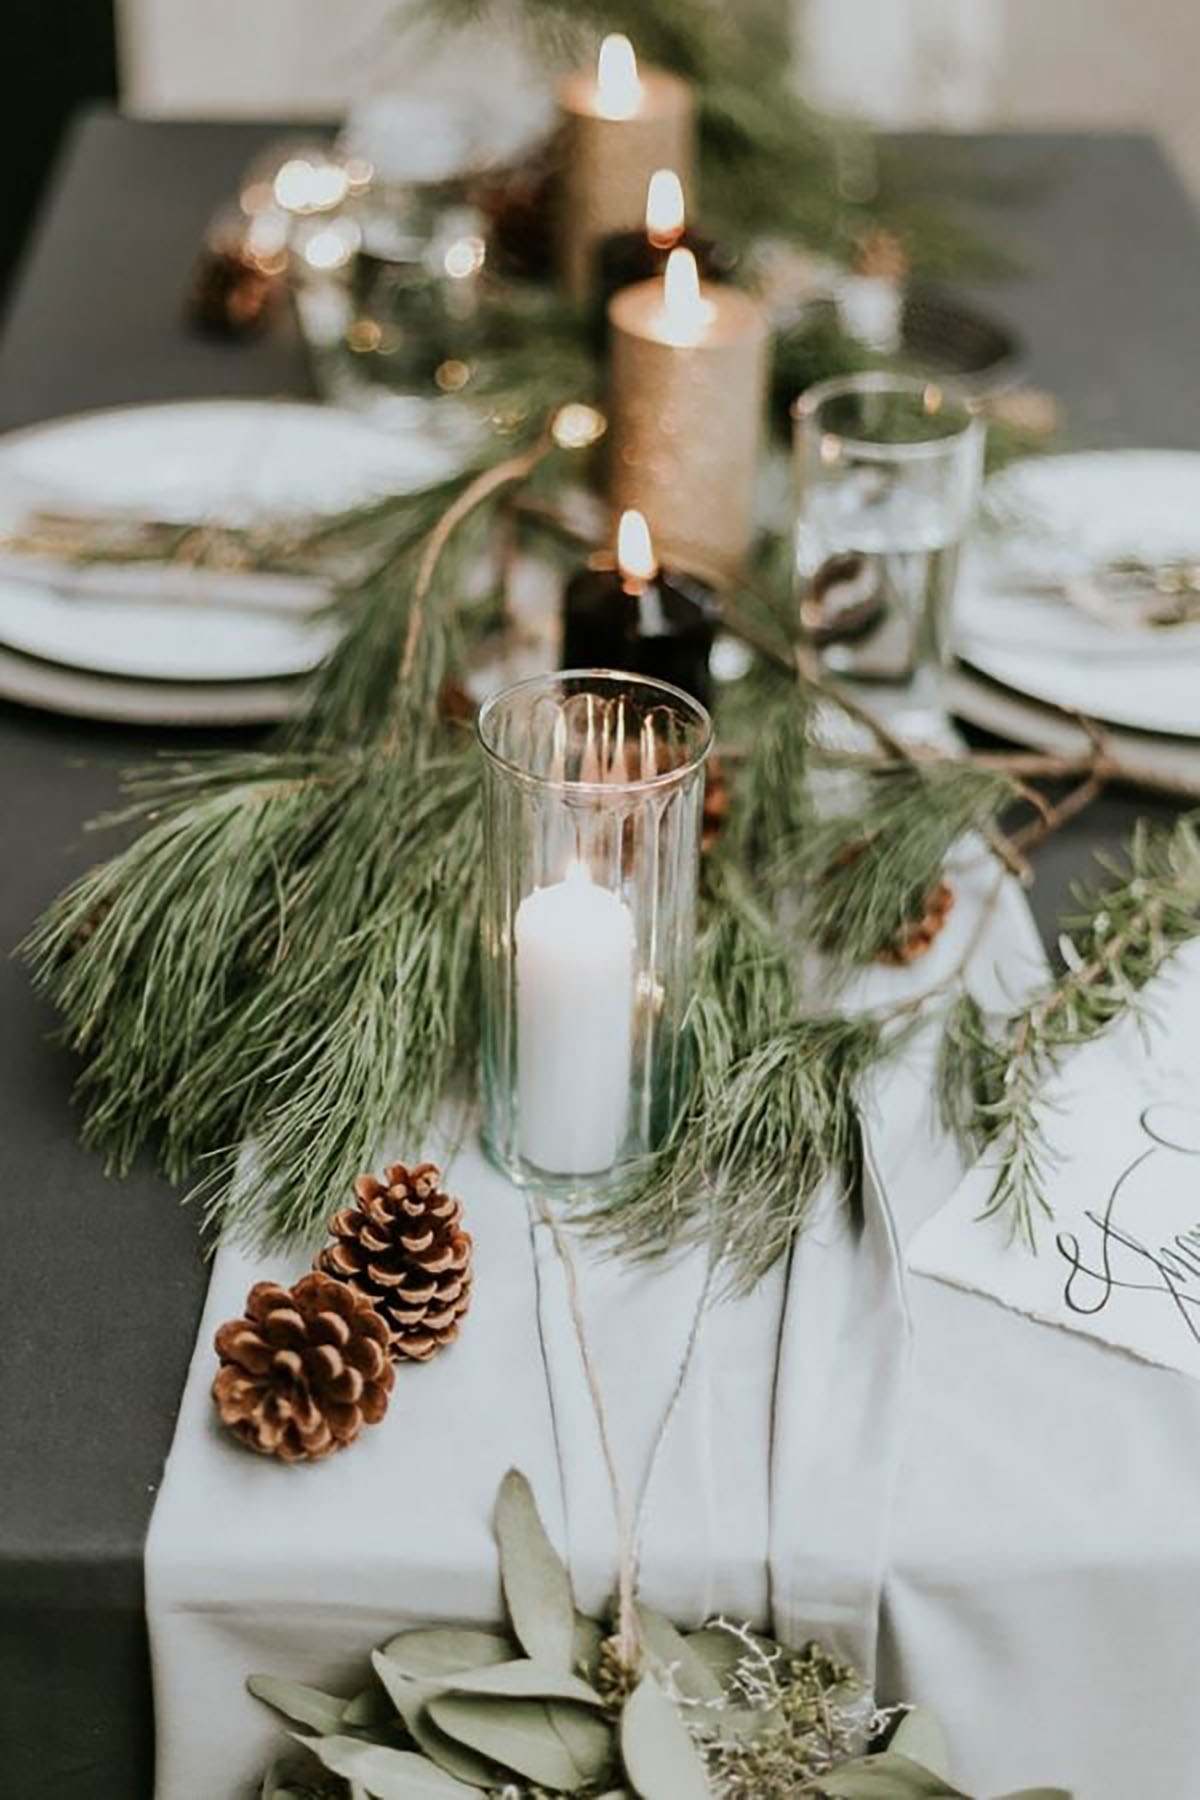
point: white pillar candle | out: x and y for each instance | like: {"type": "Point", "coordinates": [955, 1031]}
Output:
{"type": "Point", "coordinates": [575, 997]}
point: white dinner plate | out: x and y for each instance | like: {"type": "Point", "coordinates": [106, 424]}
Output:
{"type": "Point", "coordinates": [1171, 764]}
{"type": "Point", "coordinates": [230, 462]}
{"type": "Point", "coordinates": [1053, 518]}
{"type": "Point", "coordinates": [81, 695]}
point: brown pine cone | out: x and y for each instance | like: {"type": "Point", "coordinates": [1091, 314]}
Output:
{"type": "Point", "coordinates": [304, 1370]}
{"type": "Point", "coordinates": [915, 939]}
{"type": "Point", "coordinates": [403, 1248]}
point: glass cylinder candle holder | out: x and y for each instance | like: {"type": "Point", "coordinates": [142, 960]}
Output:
{"type": "Point", "coordinates": [594, 789]}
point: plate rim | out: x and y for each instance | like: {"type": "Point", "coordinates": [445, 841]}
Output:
{"type": "Point", "coordinates": [66, 422]}
{"type": "Point", "coordinates": [972, 656]}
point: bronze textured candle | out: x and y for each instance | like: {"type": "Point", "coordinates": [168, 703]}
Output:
{"type": "Point", "coordinates": [687, 398]}
{"type": "Point", "coordinates": [619, 126]}
{"type": "Point", "coordinates": [628, 613]}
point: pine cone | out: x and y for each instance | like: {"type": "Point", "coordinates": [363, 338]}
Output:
{"type": "Point", "coordinates": [403, 1248]}
{"type": "Point", "coordinates": [915, 939]}
{"type": "Point", "coordinates": [304, 1370]}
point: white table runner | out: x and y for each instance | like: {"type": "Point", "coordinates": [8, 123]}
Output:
{"type": "Point", "coordinates": [810, 1463]}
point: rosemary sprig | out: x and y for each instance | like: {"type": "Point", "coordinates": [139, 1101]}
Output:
{"type": "Point", "coordinates": [1121, 937]}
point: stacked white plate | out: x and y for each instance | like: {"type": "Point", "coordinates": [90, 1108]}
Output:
{"type": "Point", "coordinates": [162, 644]}
{"type": "Point", "coordinates": [1031, 654]}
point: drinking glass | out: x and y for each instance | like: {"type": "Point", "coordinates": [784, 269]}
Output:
{"type": "Point", "coordinates": [888, 470]}
{"type": "Point", "coordinates": [594, 788]}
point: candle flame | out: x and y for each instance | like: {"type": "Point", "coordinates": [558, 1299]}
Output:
{"type": "Point", "coordinates": [636, 561]}
{"type": "Point", "coordinates": [618, 89]}
{"type": "Point", "coordinates": [685, 311]}
{"type": "Point", "coordinates": [664, 208]}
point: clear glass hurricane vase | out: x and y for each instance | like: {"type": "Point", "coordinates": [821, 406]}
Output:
{"type": "Point", "coordinates": [594, 786]}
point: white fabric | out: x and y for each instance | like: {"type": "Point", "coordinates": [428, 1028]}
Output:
{"type": "Point", "coordinates": [767, 1499]}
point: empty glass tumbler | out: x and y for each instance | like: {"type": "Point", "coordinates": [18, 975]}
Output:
{"type": "Point", "coordinates": [888, 469]}
{"type": "Point", "coordinates": [594, 788]}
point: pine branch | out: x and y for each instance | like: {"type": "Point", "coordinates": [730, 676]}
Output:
{"type": "Point", "coordinates": [274, 957]}
{"type": "Point", "coordinates": [769, 162]}
{"type": "Point", "coordinates": [866, 872]}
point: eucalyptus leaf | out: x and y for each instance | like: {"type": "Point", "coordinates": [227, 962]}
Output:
{"type": "Point", "coordinates": [411, 1700]}
{"type": "Point", "coordinates": [524, 1680]}
{"type": "Point", "coordinates": [387, 1774]}
{"type": "Point", "coordinates": [518, 1734]}
{"type": "Point", "coordinates": [537, 1587]}
{"type": "Point", "coordinates": [920, 1737]}
{"type": "Point", "coordinates": [887, 1777]}
{"type": "Point", "coordinates": [660, 1759]}
{"type": "Point", "coordinates": [306, 1705]}
{"type": "Point", "coordinates": [721, 1650]}
{"type": "Point", "coordinates": [367, 1709]}
{"type": "Point", "coordinates": [1039, 1793]}
{"type": "Point", "coordinates": [691, 1674]}
{"type": "Point", "coordinates": [276, 1784]}
{"type": "Point", "coordinates": [585, 1649]}
{"type": "Point", "coordinates": [447, 1651]}
{"type": "Point", "coordinates": [591, 1742]}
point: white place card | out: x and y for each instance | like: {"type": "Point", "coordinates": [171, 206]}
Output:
{"type": "Point", "coordinates": [1120, 1260]}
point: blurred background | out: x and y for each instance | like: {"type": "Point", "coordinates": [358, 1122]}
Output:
{"type": "Point", "coordinates": [966, 63]}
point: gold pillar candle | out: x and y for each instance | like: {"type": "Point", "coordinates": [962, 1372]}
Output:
{"type": "Point", "coordinates": [687, 397]}
{"type": "Point", "coordinates": [619, 126]}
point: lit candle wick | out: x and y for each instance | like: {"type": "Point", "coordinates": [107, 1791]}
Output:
{"type": "Point", "coordinates": [636, 561]}
{"type": "Point", "coordinates": [685, 311]}
{"type": "Point", "coordinates": [618, 89]}
{"type": "Point", "coordinates": [664, 209]}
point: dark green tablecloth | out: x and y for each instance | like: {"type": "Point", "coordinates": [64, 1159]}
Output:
{"type": "Point", "coordinates": [103, 1281]}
